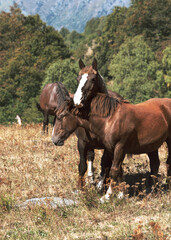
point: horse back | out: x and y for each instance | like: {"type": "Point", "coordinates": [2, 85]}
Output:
{"type": "Point", "coordinates": [52, 95]}
{"type": "Point", "coordinates": [160, 106]}
{"type": "Point", "coordinates": [47, 96]}
{"type": "Point", "coordinates": [115, 95]}
{"type": "Point", "coordinates": [150, 123]}
{"type": "Point", "coordinates": [150, 110]}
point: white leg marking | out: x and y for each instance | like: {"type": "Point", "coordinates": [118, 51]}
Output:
{"type": "Point", "coordinates": [120, 195]}
{"type": "Point", "coordinates": [107, 196]}
{"type": "Point", "coordinates": [100, 183]}
{"type": "Point", "coordinates": [90, 168]}
{"type": "Point", "coordinates": [90, 172]}
{"type": "Point", "coordinates": [78, 94]}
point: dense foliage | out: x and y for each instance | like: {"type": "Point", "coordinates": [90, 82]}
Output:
{"type": "Point", "coordinates": [135, 71]}
{"type": "Point", "coordinates": [63, 71]}
{"type": "Point", "coordinates": [27, 47]}
{"type": "Point", "coordinates": [132, 46]}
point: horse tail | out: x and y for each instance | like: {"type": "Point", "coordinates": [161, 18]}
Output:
{"type": "Point", "coordinates": [38, 107]}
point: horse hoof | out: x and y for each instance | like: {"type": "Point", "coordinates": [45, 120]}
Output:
{"type": "Point", "coordinates": [76, 192]}
{"type": "Point", "coordinates": [120, 195]}
{"type": "Point", "coordinates": [90, 180]}
{"type": "Point", "coordinates": [104, 199]}
{"type": "Point", "coordinates": [99, 185]}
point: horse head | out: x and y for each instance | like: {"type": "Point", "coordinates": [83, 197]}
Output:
{"type": "Point", "coordinates": [90, 83]}
{"type": "Point", "coordinates": [65, 123]}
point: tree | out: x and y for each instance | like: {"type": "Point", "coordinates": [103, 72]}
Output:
{"type": "Point", "coordinates": [63, 71]}
{"type": "Point", "coordinates": [113, 25]}
{"type": "Point", "coordinates": [165, 73]}
{"type": "Point", "coordinates": [112, 36]}
{"type": "Point", "coordinates": [64, 32]}
{"type": "Point", "coordinates": [27, 48]}
{"type": "Point", "coordinates": [134, 71]}
{"type": "Point", "coordinates": [150, 18]}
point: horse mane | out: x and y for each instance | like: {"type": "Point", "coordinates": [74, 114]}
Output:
{"type": "Point", "coordinates": [103, 105]}
{"type": "Point", "coordinates": [62, 93]}
{"type": "Point", "coordinates": [61, 108]}
{"type": "Point", "coordinates": [101, 84]}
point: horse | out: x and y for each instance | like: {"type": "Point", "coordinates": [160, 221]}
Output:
{"type": "Point", "coordinates": [122, 128]}
{"type": "Point", "coordinates": [52, 97]}
{"type": "Point", "coordinates": [90, 83]}
{"type": "Point", "coordinates": [90, 140]}
{"type": "Point", "coordinates": [87, 142]}
{"type": "Point", "coordinates": [50, 100]}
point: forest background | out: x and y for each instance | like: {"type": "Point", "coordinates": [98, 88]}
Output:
{"type": "Point", "coordinates": [132, 46]}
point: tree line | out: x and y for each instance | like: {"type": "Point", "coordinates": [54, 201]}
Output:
{"type": "Point", "coordinates": [132, 46]}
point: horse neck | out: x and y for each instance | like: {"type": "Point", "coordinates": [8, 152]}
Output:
{"type": "Point", "coordinates": [61, 92]}
{"type": "Point", "coordinates": [84, 123]}
{"type": "Point", "coordinates": [101, 85]}
{"type": "Point", "coordinates": [89, 124]}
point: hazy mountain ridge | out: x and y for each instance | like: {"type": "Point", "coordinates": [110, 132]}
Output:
{"type": "Point", "coordinates": [71, 14]}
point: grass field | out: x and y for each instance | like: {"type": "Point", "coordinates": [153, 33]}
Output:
{"type": "Point", "coordinates": [31, 166]}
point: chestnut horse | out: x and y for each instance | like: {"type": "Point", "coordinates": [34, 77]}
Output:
{"type": "Point", "coordinates": [89, 140]}
{"type": "Point", "coordinates": [122, 128]}
{"type": "Point", "coordinates": [52, 97]}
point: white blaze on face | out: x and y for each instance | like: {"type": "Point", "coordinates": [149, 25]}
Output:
{"type": "Point", "coordinates": [78, 94]}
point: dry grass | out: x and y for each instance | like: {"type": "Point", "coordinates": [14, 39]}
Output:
{"type": "Point", "coordinates": [31, 166]}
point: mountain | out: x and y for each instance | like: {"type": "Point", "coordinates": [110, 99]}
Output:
{"type": "Point", "coordinates": [71, 14]}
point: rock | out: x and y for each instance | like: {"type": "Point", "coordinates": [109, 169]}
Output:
{"type": "Point", "coordinates": [52, 202]}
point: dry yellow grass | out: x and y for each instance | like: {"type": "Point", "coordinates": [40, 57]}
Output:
{"type": "Point", "coordinates": [31, 166]}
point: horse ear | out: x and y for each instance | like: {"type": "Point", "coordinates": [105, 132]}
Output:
{"type": "Point", "coordinates": [71, 102]}
{"type": "Point", "coordinates": [60, 115]}
{"type": "Point", "coordinates": [94, 64]}
{"type": "Point", "coordinates": [68, 105]}
{"type": "Point", "coordinates": [81, 64]}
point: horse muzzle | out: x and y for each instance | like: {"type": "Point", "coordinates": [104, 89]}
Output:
{"type": "Point", "coordinates": [79, 105]}
{"type": "Point", "coordinates": [57, 142]}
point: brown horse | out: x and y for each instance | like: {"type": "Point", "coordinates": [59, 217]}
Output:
{"type": "Point", "coordinates": [88, 139]}
{"type": "Point", "coordinates": [90, 83]}
{"type": "Point", "coordinates": [122, 128]}
{"type": "Point", "coordinates": [52, 97]}
{"type": "Point", "coordinates": [50, 100]}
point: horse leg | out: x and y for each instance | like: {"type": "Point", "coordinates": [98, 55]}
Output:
{"type": "Point", "coordinates": [82, 167]}
{"type": "Point", "coordinates": [54, 120]}
{"type": "Point", "coordinates": [168, 162]}
{"type": "Point", "coordinates": [45, 121]}
{"type": "Point", "coordinates": [116, 171]}
{"type": "Point", "coordinates": [154, 164]}
{"type": "Point", "coordinates": [90, 157]}
{"type": "Point", "coordinates": [106, 163]}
